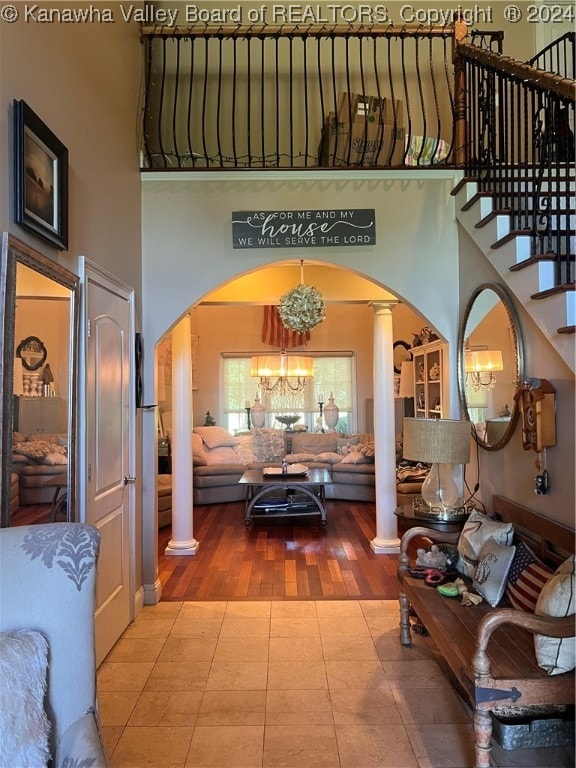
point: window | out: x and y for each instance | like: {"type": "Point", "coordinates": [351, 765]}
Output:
{"type": "Point", "coordinates": [332, 374]}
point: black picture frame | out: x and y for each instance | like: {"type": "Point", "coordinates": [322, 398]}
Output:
{"type": "Point", "coordinates": [401, 351]}
{"type": "Point", "coordinates": [40, 178]}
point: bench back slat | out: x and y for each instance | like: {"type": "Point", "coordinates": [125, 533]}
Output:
{"type": "Point", "coordinates": [552, 542]}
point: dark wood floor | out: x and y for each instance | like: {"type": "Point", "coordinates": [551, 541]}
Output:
{"type": "Point", "coordinates": [279, 559]}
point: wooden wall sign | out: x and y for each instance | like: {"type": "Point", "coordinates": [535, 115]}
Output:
{"type": "Point", "coordinates": [304, 229]}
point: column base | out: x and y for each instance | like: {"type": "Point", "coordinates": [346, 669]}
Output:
{"type": "Point", "coordinates": [385, 546]}
{"type": "Point", "coordinates": [182, 547]}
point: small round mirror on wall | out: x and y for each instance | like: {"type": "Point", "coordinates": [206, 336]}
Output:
{"type": "Point", "coordinates": [490, 365]}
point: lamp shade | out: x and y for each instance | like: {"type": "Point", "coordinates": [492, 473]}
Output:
{"type": "Point", "coordinates": [268, 366]}
{"type": "Point", "coordinates": [483, 361]}
{"type": "Point", "coordinates": [441, 441]}
{"type": "Point", "coordinates": [406, 379]}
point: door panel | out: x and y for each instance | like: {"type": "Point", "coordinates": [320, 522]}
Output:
{"type": "Point", "coordinates": [109, 410]}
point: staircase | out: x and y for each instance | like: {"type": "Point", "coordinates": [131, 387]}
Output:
{"type": "Point", "coordinates": [542, 285]}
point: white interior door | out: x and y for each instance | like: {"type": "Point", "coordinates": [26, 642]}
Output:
{"type": "Point", "coordinates": [109, 429]}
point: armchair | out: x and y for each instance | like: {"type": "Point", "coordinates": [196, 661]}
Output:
{"type": "Point", "coordinates": [48, 577]}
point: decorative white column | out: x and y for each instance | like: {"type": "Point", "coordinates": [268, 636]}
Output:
{"type": "Point", "coordinates": [386, 540]}
{"type": "Point", "coordinates": [182, 541]}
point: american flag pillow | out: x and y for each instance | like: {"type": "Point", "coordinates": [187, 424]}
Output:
{"type": "Point", "coordinates": [526, 578]}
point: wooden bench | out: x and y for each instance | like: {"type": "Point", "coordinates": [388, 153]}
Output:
{"type": "Point", "coordinates": [490, 651]}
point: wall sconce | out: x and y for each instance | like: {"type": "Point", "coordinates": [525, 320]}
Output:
{"type": "Point", "coordinates": [442, 443]}
{"type": "Point", "coordinates": [480, 365]}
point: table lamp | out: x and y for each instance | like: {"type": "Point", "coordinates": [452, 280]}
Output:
{"type": "Point", "coordinates": [441, 443]}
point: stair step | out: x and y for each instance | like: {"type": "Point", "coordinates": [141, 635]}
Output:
{"type": "Point", "coordinates": [474, 199]}
{"type": "Point", "coordinates": [553, 291]}
{"type": "Point", "coordinates": [567, 329]}
{"type": "Point", "coordinates": [491, 216]}
{"type": "Point", "coordinates": [462, 183]}
{"type": "Point", "coordinates": [510, 236]}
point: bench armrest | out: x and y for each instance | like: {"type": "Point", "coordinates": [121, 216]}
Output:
{"type": "Point", "coordinates": [428, 533]}
{"type": "Point", "coordinates": [551, 626]}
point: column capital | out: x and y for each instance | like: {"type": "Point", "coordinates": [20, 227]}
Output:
{"type": "Point", "coordinates": [383, 307]}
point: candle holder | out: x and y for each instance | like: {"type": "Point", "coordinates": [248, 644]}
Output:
{"type": "Point", "coordinates": [320, 419]}
{"type": "Point", "coordinates": [248, 409]}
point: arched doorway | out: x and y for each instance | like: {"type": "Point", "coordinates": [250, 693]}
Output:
{"type": "Point", "coordinates": [228, 320]}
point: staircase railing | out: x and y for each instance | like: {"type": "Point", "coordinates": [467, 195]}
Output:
{"type": "Point", "coordinates": [519, 145]}
{"type": "Point", "coordinates": [298, 96]}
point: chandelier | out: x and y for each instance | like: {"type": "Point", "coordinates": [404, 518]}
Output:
{"type": "Point", "coordinates": [303, 307]}
{"type": "Point", "coordinates": [480, 365]}
{"type": "Point", "coordinates": [282, 374]}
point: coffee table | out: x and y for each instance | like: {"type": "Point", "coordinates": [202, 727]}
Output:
{"type": "Point", "coordinates": [285, 495]}
{"type": "Point", "coordinates": [58, 482]}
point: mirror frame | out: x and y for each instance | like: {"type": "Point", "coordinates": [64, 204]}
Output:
{"type": "Point", "coordinates": [14, 252]}
{"type": "Point", "coordinates": [519, 348]}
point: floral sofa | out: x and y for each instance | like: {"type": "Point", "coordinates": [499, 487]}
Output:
{"type": "Point", "coordinates": [220, 459]}
{"type": "Point", "coordinates": [37, 458]}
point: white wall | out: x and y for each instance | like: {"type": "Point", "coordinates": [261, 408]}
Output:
{"type": "Point", "coordinates": [511, 471]}
{"type": "Point", "coordinates": [69, 74]}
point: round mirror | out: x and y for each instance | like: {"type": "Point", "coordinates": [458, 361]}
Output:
{"type": "Point", "coordinates": [490, 365]}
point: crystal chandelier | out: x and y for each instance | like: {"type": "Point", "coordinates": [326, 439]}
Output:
{"type": "Point", "coordinates": [282, 374]}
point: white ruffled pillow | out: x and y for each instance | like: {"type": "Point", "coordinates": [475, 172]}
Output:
{"type": "Point", "coordinates": [558, 596]}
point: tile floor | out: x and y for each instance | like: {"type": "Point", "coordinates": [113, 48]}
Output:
{"type": "Point", "coordinates": [284, 684]}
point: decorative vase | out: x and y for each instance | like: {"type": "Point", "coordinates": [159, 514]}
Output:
{"type": "Point", "coordinates": [257, 413]}
{"type": "Point", "coordinates": [331, 414]}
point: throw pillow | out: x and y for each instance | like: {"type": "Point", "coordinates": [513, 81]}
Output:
{"type": "Point", "coordinates": [244, 451]}
{"type": "Point", "coordinates": [298, 458]}
{"type": "Point", "coordinates": [526, 578]}
{"type": "Point", "coordinates": [199, 458]}
{"type": "Point", "coordinates": [558, 598]}
{"type": "Point", "coordinates": [492, 571]}
{"type": "Point", "coordinates": [343, 444]}
{"type": "Point", "coordinates": [24, 727]}
{"type": "Point", "coordinates": [356, 458]}
{"type": "Point", "coordinates": [328, 457]}
{"type": "Point", "coordinates": [216, 437]}
{"type": "Point", "coordinates": [223, 455]}
{"type": "Point", "coordinates": [268, 444]}
{"type": "Point", "coordinates": [476, 532]}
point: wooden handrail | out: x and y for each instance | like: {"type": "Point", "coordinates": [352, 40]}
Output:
{"type": "Point", "coordinates": [294, 30]}
{"type": "Point", "coordinates": [553, 83]}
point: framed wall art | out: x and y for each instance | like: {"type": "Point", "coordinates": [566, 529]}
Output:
{"type": "Point", "coordinates": [41, 178]}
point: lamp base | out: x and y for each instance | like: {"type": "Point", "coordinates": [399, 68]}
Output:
{"type": "Point", "coordinates": [439, 512]}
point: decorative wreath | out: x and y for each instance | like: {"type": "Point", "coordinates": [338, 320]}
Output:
{"type": "Point", "coordinates": [302, 308]}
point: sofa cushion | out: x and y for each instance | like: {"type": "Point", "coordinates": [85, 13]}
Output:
{"type": "Point", "coordinates": [355, 457]}
{"type": "Point", "coordinates": [328, 457]}
{"type": "Point", "coordinates": [24, 726]}
{"type": "Point", "coordinates": [216, 437]}
{"type": "Point", "coordinates": [314, 443]}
